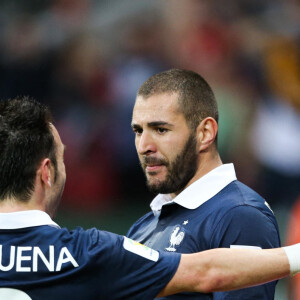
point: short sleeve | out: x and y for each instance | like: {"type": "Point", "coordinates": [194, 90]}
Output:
{"type": "Point", "coordinates": [129, 270]}
{"type": "Point", "coordinates": [247, 226]}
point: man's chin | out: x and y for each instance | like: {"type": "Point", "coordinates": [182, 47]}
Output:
{"type": "Point", "coordinates": [158, 187]}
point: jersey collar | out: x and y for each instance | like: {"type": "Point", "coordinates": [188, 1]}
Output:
{"type": "Point", "coordinates": [199, 191]}
{"type": "Point", "coordinates": [26, 218]}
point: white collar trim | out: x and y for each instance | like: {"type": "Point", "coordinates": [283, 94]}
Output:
{"type": "Point", "coordinates": [199, 191]}
{"type": "Point", "coordinates": [23, 219]}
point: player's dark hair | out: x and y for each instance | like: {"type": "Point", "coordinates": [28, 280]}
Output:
{"type": "Point", "coordinates": [195, 97]}
{"type": "Point", "coordinates": [25, 139]}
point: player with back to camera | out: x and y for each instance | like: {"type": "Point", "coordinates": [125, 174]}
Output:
{"type": "Point", "coordinates": [40, 260]}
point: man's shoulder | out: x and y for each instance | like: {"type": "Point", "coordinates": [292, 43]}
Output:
{"type": "Point", "coordinates": [91, 237]}
{"type": "Point", "coordinates": [236, 196]}
{"type": "Point", "coordinates": [43, 236]}
{"type": "Point", "coordinates": [238, 193]}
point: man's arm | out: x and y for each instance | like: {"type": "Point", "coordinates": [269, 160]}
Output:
{"type": "Point", "coordinates": [229, 269]}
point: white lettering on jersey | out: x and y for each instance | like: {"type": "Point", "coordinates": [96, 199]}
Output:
{"type": "Point", "coordinates": [37, 252]}
{"type": "Point", "coordinates": [21, 257]}
{"type": "Point", "coordinates": [69, 258]}
{"type": "Point", "coordinates": [11, 259]}
{"type": "Point", "coordinates": [33, 256]}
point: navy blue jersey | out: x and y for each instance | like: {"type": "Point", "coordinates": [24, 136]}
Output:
{"type": "Point", "coordinates": [39, 260]}
{"type": "Point", "coordinates": [235, 216]}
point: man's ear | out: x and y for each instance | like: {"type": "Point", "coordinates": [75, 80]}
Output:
{"type": "Point", "coordinates": [206, 133]}
{"type": "Point", "coordinates": [45, 171]}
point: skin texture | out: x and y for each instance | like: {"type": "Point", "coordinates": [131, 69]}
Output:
{"type": "Point", "coordinates": [161, 138]}
{"type": "Point", "coordinates": [58, 183]}
{"type": "Point", "coordinates": [227, 269]}
{"type": "Point", "coordinates": [165, 170]}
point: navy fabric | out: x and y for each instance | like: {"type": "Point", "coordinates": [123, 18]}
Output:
{"type": "Point", "coordinates": [101, 268]}
{"type": "Point", "coordinates": [235, 216]}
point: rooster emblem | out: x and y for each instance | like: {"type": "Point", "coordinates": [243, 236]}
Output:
{"type": "Point", "coordinates": [175, 239]}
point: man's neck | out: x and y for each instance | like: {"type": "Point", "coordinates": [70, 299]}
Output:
{"type": "Point", "coordinates": [13, 205]}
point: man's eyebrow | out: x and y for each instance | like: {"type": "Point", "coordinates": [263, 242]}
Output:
{"type": "Point", "coordinates": [135, 126]}
{"type": "Point", "coordinates": [152, 124]}
{"type": "Point", "coordinates": [158, 123]}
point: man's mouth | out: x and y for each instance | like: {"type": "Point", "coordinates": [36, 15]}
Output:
{"type": "Point", "coordinates": [153, 164]}
{"type": "Point", "coordinates": [153, 167]}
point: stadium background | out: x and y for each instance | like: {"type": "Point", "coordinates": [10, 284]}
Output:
{"type": "Point", "coordinates": [86, 60]}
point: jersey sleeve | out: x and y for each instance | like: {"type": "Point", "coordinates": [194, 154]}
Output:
{"type": "Point", "coordinates": [129, 270]}
{"type": "Point", "coordinates": [246, 226]}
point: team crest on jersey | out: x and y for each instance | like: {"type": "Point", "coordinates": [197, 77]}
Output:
{"type": "Point", "coordinates": [176, 238]}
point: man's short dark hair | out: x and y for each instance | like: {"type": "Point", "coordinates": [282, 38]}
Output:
{"type": "Point", "coordinates": [25, 139]}
{"type": "Point", "coordinates": [195, 97]}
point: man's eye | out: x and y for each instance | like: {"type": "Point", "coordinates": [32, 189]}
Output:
{"type": "Point", "coordinates": [138, 131]}
{"type": "Point", "coordinates": [161, 130]}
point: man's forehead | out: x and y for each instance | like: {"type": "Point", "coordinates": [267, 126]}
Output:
{"type": "Point", "coordinates": [55, 134]}
{"type": "Point", "coordinates": [158, 102]}
{"type": "Point", "coordinates": [157, 108]}
{"type": "Point", "coordinates": [54, 130]}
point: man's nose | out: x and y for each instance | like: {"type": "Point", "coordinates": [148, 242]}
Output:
{"type": "Point", "coordinates": [145, 143]}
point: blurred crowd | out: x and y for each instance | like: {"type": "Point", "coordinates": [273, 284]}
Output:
{"type": "Point", "coordinates": [86, 59]}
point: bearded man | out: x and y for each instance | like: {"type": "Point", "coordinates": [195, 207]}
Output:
{"type": "Point", "coordinates": [200, 203]}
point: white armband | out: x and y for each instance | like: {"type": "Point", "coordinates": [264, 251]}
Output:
{"type": "Point", "coordinates": [293, 254]}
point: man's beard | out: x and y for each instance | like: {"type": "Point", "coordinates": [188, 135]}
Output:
{"type": "Point", "coordinates": [59, 185]}
{"type": "Point", "coordinates": [180, 171]}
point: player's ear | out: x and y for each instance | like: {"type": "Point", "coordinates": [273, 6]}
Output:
{"type": "Point", "coordinates": [206, 133]}
{"type": "Point", "coordinates": [45, 172]}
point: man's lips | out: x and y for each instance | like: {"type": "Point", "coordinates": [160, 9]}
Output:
{"type": "Point", "coordinates": [153, 168]}
{"type": "Point", "coordinates": [152, 164]}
